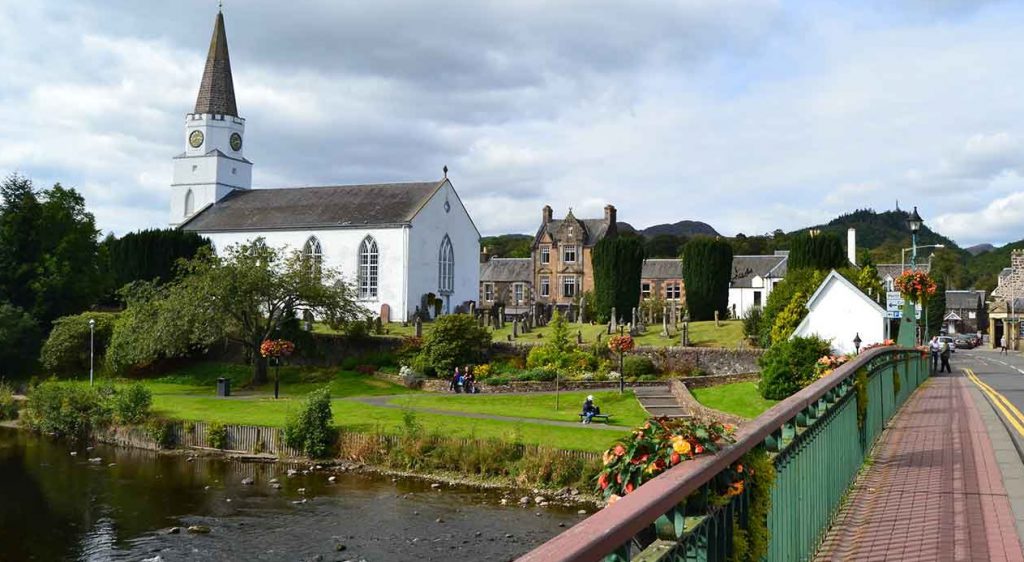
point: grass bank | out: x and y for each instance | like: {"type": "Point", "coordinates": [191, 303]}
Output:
{"type": "Point", "coordinates": [740, 398]}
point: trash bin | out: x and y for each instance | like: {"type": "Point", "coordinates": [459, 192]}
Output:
{"type": "Point", "coordinates": [223, 387]}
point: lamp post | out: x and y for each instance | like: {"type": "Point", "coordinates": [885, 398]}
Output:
{"type": "Point", "coordinates": [914, 222]}
{"type": "Point", "coordinates": [92, 347]}
{"type": "Point", "coordinates": [856, 342]}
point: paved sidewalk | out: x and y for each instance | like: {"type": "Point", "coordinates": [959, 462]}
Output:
{"type": "Point", "coordinates": [934, 490]}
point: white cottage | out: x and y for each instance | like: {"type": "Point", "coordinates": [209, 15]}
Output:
{"type": "Point", "coordinates": [396, 242]}
{"type": "Point", "coordinates": [752, 280]}
{"type": "Point", "coordinates": [839, 311]}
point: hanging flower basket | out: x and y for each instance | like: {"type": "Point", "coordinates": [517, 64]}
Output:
{"type": "Point", "coordinates": [276, 348]}
{"type": "Point", "coordinates": [916, 286]}
{"type": "Point", "coordinates": [621, 344]}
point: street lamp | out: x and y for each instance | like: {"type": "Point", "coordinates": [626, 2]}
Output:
{"type": "Point", "coordinates": [903, 254]}
{"type": "Point", "coordinates": [856, 342]}
{"type": "Point", "coordinates": [914, 222]}
{"type": "Point", "coordinates": [92, 347]}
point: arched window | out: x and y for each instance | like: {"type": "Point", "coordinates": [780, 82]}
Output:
{"type": "Point", "coordinates": [190, 203]}
{"type": "Point", "coordinates": [446, 267]}
{"type": "Point", "coordinates": [368, 261]}
{"type": "Point", "coordinates": [312, 254]}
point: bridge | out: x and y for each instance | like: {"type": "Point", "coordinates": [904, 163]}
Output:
{"type": "Point", "coordinates": [931, 490]}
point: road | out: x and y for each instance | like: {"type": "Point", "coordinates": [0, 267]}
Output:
{"type": "Point", "coordinates": [1001, 378]}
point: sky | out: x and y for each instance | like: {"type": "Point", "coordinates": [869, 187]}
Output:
{"type": "Point", "coordinates": [749, 115]}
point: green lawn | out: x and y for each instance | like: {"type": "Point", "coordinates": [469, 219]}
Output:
{"type": "Point", "coordinates": [702, 334]}
{"type": "Point", "coordinates": [189, 394]}
{"type": "Point", "coordinates": [740, 398]}
{"type": "Point", "coordinates": [624, 408]}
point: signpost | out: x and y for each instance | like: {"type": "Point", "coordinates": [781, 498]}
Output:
{"type": "Point", "coordinates": [894, 305]}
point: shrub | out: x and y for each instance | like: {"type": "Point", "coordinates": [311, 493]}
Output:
{"type": "Point", "coordinates": [8, 407]}
{"type": "Point", "coordinates": [311, 430]}
{"type": "Point", "coordinates": [822, 251]}
{"type": "Point", "coordinates": [455, 340]}
{"type": "Point", "coordinates": [637, 366]}
{"type": "Point", "coordinates": [67, 410]}
{"type": "Point", "coordinates": [132, 404]}
{"type": "Point", "coordinates": [618, 263]}
{"type": "Point", "coordinates": [537, 374]}
{"type": "Point", "coordinates": [19, 333]}
{"type": "Point", "coordinates": [752, 323]}
{"type": "Point", "coordinates": [217, 435]}
{"type": "Point", "coordinates": [66, 351]}
{"type": "Point", "coordinates": [162, 431]}
{"type": "Point", "coordinates": [707, 267]}
{"type": "Point", "coordinates": [366, 369]}
{"type": "Point", "coordinates": [497, 381]}
{"type": "Point", "coordinates": [788, 366]}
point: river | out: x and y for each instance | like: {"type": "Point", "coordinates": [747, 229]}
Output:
{"type": "Point", "coordinates": [56, 506]}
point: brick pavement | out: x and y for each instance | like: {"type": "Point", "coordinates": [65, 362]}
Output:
{"type": "Point", "coordinates": [933, 492]}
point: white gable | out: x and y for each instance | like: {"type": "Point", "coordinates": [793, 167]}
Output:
{"type": "Point", "coordinates": [838, 312]}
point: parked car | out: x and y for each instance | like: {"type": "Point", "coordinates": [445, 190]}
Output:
{"type": "Point", "coordinates": [964, 342]}
{"type": "Point", "coordinates": [950, 340]}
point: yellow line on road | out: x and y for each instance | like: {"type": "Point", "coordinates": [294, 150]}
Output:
{"type": "Point", "coordinates": [1012, 414]}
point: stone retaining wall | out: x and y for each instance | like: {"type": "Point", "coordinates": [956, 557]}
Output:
{"type": "Point", "coordinates": [688, 402]}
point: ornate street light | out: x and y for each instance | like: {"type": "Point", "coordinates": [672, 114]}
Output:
{"type": "Point", "coordinates": [856, 342]}
{"type": "Point", "coordinates": [914, 222]}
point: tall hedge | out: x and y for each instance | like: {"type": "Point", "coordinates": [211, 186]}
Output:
{"type": "Point", "coordinates": [618, 264]}
{"type": "Point", "coordinates": [148, 255]}
{"type": "Point", "coordinates": [707, 269]}
{"type": "Point", "coordinates": [66, 351]}
{"type": "Point", "coordinates": [823, 251]}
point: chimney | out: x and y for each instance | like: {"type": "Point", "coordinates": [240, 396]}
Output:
{"type": "Point", "coordinates": [485, 255]}
{"type": "Point", "coordinates": [546, 216]}
{"type": "Point", "coordinates": [851, 246]}
{"type": "Point", "coordinates": [610, 214]}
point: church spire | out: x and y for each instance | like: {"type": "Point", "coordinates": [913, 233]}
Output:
{"type": "Point", "coordinates": [217, 91]}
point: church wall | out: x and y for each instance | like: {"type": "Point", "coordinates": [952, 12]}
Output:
{"type": "Point", "coordinates": [340, 249]}
{"type": "Point", "coordinates": [428, 230]}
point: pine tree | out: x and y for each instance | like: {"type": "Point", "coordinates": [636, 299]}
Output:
{"type": "Point", "coordinates": [822, 251]}
{"type": "Point", "coordinates": [707, 268]}
{"type": "Point", "coordinates": [618, 265]}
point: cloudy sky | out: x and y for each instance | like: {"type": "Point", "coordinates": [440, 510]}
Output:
{"type": "Point", "coordinates": [749, 115]}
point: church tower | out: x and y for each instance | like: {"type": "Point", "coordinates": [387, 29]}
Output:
{"type": "Point", "coordinates": [213, 164]}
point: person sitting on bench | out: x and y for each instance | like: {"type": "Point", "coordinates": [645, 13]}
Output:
{"type": "Point", "coordinates": [589, 409]}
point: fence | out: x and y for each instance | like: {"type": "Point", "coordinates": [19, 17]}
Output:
{"type": "Point", "coordinates": [817, 440]}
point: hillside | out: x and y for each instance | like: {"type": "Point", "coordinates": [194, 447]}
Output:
{"type": "Point", "coordinates": [979, 249]}
{"type": "Point", "coordinates": [687, 229]}
{"type": "Point", "coordinates": [885, 233]}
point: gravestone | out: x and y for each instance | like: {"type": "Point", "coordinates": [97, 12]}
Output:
{"type": "Point", "coordinates": [613, 326]}
{"type": "Point", "coordinates": [385, 313]}
{"type": "Point", "coordinates": [664, 322]}
{"type": "Point", "coordinates": [579, 337]}
{"type": "Point", "coordinates": [419, 327]}
{"type": "Point", "coordinates": [515, 328]}
{"type": "Point", "coordinates": [501, 317]}
{"type": "Point", "coordinates": [716, 319]}
{"type": "Point", "coordinates": [472, 308]}
{"type": "Point", "coordinates": [480, 320]}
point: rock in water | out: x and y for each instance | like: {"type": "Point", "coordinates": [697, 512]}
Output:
{"type": "Point", "coordinates": [539, 499]}
{"type": "Point", "coordinates": [248, 482]}
{"type": "Point", "coordinates": [275, 486]}
{"type": "Point", "coordinates": [96, 460]}
{"type": "Point", "coordinates": [274, 480]}
{"type": "Point", "coordinates": [332, 478]}
{"type": "Point", "coordinates": [198, 529]}
{"type": "Point", "coordinates": [174, 530]}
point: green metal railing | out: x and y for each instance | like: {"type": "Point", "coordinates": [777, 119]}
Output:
{"type": "Point", "coordinates": [817, 444]}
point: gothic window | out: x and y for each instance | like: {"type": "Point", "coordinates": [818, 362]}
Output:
{"type": "Point", "coordinates": [446, 267]}
{"type": "Point", "coordinates": [312, 255]}
{"type": "Point", "coordinates": [368, 262]}
{"type": "Point", "coordinates": [190, 203]}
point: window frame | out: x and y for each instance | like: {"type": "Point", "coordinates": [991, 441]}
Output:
{"type": "Point", "coordinates": [446, 267]}
{"type": "Point", "coordinates": [645, 290]}
{"type": "Point", "coordinates": [565, 253]}
{"type": "Point", "coordinates": [545, 286]}
{"type": "Point", "coordinates": [368, 270]}
{"type": "Point", "coordinates": [545, 254]}
{"type": "Point", "coordinates": [313, 255]}
{"type": "Point", "coordinates": [564, 281]}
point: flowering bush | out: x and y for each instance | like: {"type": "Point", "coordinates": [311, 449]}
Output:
{"type": "Point", "coordinates": [621, 344]}
{"type": "Point", "coordinates": [655, 447]}
{"type": "Point", "coordinates": [829, 363]}
{"type": "Point", "coordinates": [916, 286]}
{"type": "Point", "coordinates": [885, 343]}
{"type": "Point", "coordinates": [482, 371]}
{"type": "Point", "coordinates": [276, 348]}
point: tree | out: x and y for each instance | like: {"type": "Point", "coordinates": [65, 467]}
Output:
{"type": "Point", "coordinates": [244, 296]}
{"type": "Point", "coordinates": [66, 351]}
{"type": "Point", "coordinates": [618, 265]}
{"type": "Point", "coordinates": [664, 246]}
{"type": "Point", "coordinates": [707, 268]}
{"type": "Point", "coordinates": [822, 251]}
{"type": "Point", "coordinates": [937, 308]}
{"type": "Point", "coordinates": [19, 240]}
{"type": "Point", "coordinates": [798, 285]}
{"type": "Point", "coordinates": [19, 334]}
{"type": "Point", "coordinates": [456, 340]}
{"type": "Point", "coordinates": [148, 255]}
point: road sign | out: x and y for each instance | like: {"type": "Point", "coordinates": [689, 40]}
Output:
{"type": "Point", "coordinates": [894, 305]}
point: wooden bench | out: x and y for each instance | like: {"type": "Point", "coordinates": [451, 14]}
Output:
{"type": "Point", "coordinates": [606, 418]}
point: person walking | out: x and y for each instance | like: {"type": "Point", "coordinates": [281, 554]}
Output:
{"type": "Point", "coordinates": [457, 381]}
{"type": "Point", "coordinates": [934, 346]}
{"type": "Point", "coordinates": [1002, 345]}
{"type": "Point", "coordinates": [455, 378]}
{"type": "Point", "coordinates": [944, 355]}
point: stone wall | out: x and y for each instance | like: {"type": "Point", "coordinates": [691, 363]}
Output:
{"type": "Point", "coordinates": [708, 360]}
{"type": "Point", "coordinates": [688, 402]}
{"type": "Point", "coordinates": [715, 380]}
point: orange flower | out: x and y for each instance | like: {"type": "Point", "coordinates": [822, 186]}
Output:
{"type": "Point", "coordinates": [739, 468]}
{"type": "Point", "coordinates": [675, 458]}
{"type": "Point", "coordinates": [613, 498]}
{"type": "Point", "coordinates": [629, 487]}
{"type": "Point", "coordinates": [620, 450]}
{"type": "Point", "coordinates": [602, 481]}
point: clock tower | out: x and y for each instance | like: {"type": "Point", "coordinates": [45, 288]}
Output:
{"type": "Point", "coordinates": [213, 164]}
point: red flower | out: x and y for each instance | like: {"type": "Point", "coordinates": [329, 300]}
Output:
{"type": "Point", "coordinates": [629, 487]}
{"type": "Point", "coordinates": [675, 458]}
{"type": "Point", "coordinates": [602, 480]}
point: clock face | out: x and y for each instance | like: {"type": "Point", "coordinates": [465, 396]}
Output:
{"type": "Point", "coordinates": [196, 139]}
{"type": "Point", "coordinates": [236, 142]}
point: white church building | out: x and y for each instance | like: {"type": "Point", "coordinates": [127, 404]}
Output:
{"type": "Point", "coordinates": [395, 242]}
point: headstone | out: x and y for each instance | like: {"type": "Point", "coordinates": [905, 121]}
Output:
{"type": "Point", "coordinates": [664, 322]}
{"type": "Point", "coordinates": [419, 327]}
{"type": "Point", "coordinates": [581, 318]}
{"type": "Point", "coordinates": [515, 328]}
{"type": "Point", "coordinates": [716, 319]}
{"type": "Point", "coordinates": [633, 323]}
{"type": "Point", "coordinates": [686, 334]}
{"type": "Point", "coordinates": [385, 313]}
{"type": "Point", "coordinates": [501, 317]}
{"type": "Point", "coordinates": [614, 322]}
{"type": "Point", "coordinates": [472, 308]}
{"type": "Point", "coordinates": [579, 337]}
{"type": "Point", "coordinates": [480, 319]}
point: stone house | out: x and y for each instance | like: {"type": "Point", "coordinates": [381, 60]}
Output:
{"type": "Point", "coordinates": [562, 255]}
{"type": "Point", "coordinates": [506, 282]}
{"type": "Point", "coordinates": [965, 312]}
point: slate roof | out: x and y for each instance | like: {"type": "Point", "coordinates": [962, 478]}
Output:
{"type": "Point", "coordinates": [662, 269]}
{"type": "Point", "coordinates": [387, 204]}
{"type": "Point", "coordinates": [745, 268]}
{"type": "Point", "coordinates": [894, 269]}
{"type": "Point", "coordinates": [217, 90]}
{"type": "Point", "coordinates": [507, 269]}
{"type": "Point", "coordinates": [964, 299]}
{"type": "Point", "coordinates": [595, 229]}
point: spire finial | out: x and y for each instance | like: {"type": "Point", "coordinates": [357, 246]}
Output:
{"type": "Point", "coordinates": [220, 5]}
{"type": "Point", "coordinates": [445, 171]}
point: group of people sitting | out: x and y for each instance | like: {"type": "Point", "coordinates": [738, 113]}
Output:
{"type": "Point", "coordinates": [463, 381]}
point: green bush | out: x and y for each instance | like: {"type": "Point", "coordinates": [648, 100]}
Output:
{"type": "Point", "coordinates": [132, 404]}
{"type": "Point", "coordinates": [788, 366]}
{"type": "Point", "coordinates": [752, 323]}
{"type": "Point", "coordinates": [67, 409]}
{"type": "Point", "coordinates": [311, 430]}
{"type": "Point", "coordinates": [66, 351]}
{"type": "Point", "coordinates": [537, 374]}
{"type": "Point", "coordinates": [19, 333]}
{"type": "Point", "coordinates": [217, 435]}
{"type": "Point", "coordinates": [707, 267]}
{"type": "Point", "coordinates": [455, 341]}
{"type": "Point", "coordinates": [637, 366]}
{"type": "Point", "coordinates": [8, 406]}
{"type": "Point", "coordinates": [496, 380]}
{"type": "Point", "coordinates": [162, 431]}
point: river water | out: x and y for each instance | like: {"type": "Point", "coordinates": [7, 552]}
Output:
{"type": "Point", "coordinates": [55, 506]}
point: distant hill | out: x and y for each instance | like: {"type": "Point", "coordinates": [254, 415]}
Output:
{"type": "Point", "coordinates": [885, 233]}
{"type": "Point", "coordinates": [979, 249]}
{"type": "Point", "coordinates": [507, 245]}
{"type": "Point", "coordinates": [687, 229]}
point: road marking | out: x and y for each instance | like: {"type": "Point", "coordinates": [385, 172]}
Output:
{"type": "Point", "coordinates": [1013, 415]}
